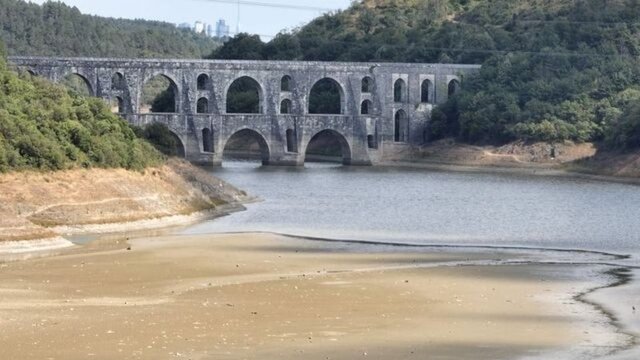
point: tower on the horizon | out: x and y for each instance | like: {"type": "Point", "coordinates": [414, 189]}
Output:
{"type": "Point", "coordinates": [222, 29]}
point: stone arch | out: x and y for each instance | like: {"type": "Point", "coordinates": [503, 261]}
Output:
{"type": "Point", "coordinates": [286, 83]}
{"type": "Point", "coordinates": [426, 91]}
{"type": "Point", "coordinates": [265, 151]}
{"type": "Point", "coordinates": [180, 149]}
{"type": "Point", "coordinates": [286, 106]}
{"type": "Point", "coordinates": [157, 100]}
{"type": "Point", "coordinates": [400, 91]}
{"type": "Point", "coordinates": [207, 140]}
{"type": "Point", "coordinates": [401, 127]}
{"type": "Point", "coordinates": [202, 107]}
{"type": "Point", "coordinates": [203, 82]}
{"type": "Point", "coordinates": [120, 105]}
{"type": "Point", "coordinates": [79, 83]}
{"type": "Point", "coordinates": [245, 96]}
{"type": "Point", "coordinates": [327, 97]}
{"type": "Point", "coordinates": [367, 85]}
{"type": "Point", "coordinates": [117, 81]}
{"type": "Point", "coordinates": [366, 108]}
{"type": "Point", "coordinates": [345, 147]}
{"type": "Point", "coordinates": [453, 87]}
{"type": "Point", "coordinates": [166, 139]}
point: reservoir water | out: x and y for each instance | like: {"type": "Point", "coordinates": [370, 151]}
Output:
{"type": "Point", "coordinates": [439, 208]}
{"type": "Point", "coordinates": [412, 206]}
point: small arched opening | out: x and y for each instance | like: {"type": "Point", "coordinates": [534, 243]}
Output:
{"type": "Point", "coordinates": [366, 107]}
{"type": "Point", "coordinates": [326, 97]}
{"type": "Point", "coordinates": [426, 92]}
{"type": "Point", "coordinates": [401, 127]}
{"type": "Point", "coordinates": [400, 91]}
{"type": "Point", "coordinates": [367, 85]}
{"type": "Point", "coordinates": [285, 83]}
{"type": "Point", "coordinates": [328, 146]}
{"type": "Point", "coordinates": [248, 146]}
{"type": "Point", "coordinates": [204, 82]}
{"type": "Point", "coordinates": [202, 106]}
{"type": "Point", "coordinates": [159, 95]}
{"type": "Point", "coordinates": [292, 141]}
{"type": "Point", "coordinates": [244, 96]}
{"type": "Point", "coordinates": [117, 82]}
{"type": "Point", "coordinates": [454, 87]}
{"type": "Point", "coordinates": [207, 140]}
{"type": "Point", "coordinates": [117, 105]}
{"type": "Point", "coordinates": [32, 72]}
{"type": "Point", "coordinates": [285, 106]}
{"type": "Point", "coordinates": [78, 84]}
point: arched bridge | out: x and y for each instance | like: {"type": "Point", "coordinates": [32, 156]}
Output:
{"type": "Point", "coordinates": [383, 108]}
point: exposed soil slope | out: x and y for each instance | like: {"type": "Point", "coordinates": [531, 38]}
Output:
{"type": "Point", "coordinates": [33, 203]}
{"type": "Point", "coordinates": [565, 156]}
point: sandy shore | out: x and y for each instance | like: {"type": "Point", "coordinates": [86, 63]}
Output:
{"type": "Point", "coordinates": [251, 296]}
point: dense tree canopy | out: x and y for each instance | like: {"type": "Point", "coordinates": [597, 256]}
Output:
{"type": "Point", "coordinates": [552, 70]}
{"type": "Point", "coordinates": [55, 29]}
{"type": "Point", "coordinates": [45, 126]}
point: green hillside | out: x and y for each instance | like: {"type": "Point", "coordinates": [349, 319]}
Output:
{"type": "Point", "coordinates": [55, 29]}
{"type": "Point", "coordinates": [43, 126]}
{"type": "Point", "coordinates": [552, 70]}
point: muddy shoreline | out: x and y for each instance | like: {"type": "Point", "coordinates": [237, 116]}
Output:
{"type": "Point", "coordinates": [611, 343]}
{"type": "Point", "coordinates": [261, 296]}
{"type": "Point", "coordinates": [536, 171]}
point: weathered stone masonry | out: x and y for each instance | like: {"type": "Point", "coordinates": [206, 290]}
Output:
{"type": "Point", "coordinates": [399, 109]}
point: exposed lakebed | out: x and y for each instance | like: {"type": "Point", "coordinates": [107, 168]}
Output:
{"type": "Point", "coordinates": [595, 222]}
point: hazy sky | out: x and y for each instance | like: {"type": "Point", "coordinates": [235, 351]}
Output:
{"type": "Point", "coordinates": [253, 19]}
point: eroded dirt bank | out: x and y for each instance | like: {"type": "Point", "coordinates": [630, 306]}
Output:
{"type": "Point", "coordinates": [541, 158]}
{"type": "Point", "coordinates": [37, 205]}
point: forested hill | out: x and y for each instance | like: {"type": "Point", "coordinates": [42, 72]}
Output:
{"type": "Point", "coordinates": [553, 70]}
{"type": "Point", "coordinates": [55, 29]}
{"type": "Point", "coordinates": [45, 127]}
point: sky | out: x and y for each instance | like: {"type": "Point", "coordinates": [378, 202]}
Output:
{"type": "Point", "coordinates": [253, 19]}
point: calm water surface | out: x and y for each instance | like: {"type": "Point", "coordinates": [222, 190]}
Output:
{"type": "Point", "coordinates": [427, 207]}
{"type": "Point", "coordinates": [450, 208]}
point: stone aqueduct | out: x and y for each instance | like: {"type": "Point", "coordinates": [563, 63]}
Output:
{"type": "Point", "coordinates": [385, 107]}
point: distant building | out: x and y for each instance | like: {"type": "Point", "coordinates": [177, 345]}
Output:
{"type": "Point", "coordinates": [199, 27]}
{"type": "Point", "coordinates": [222, 29]}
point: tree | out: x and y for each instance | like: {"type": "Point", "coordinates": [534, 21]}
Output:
{"type": "Point", "coordinates": [283, 47]}
{"type": "Point", "coordinates": [625, 131]}
{"type": "Point", "coordinates": [241, 47]}
{"type": "Point", "coordinates": [55, 29]}
{"type": "Point", "coordinates": [43, 126]}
